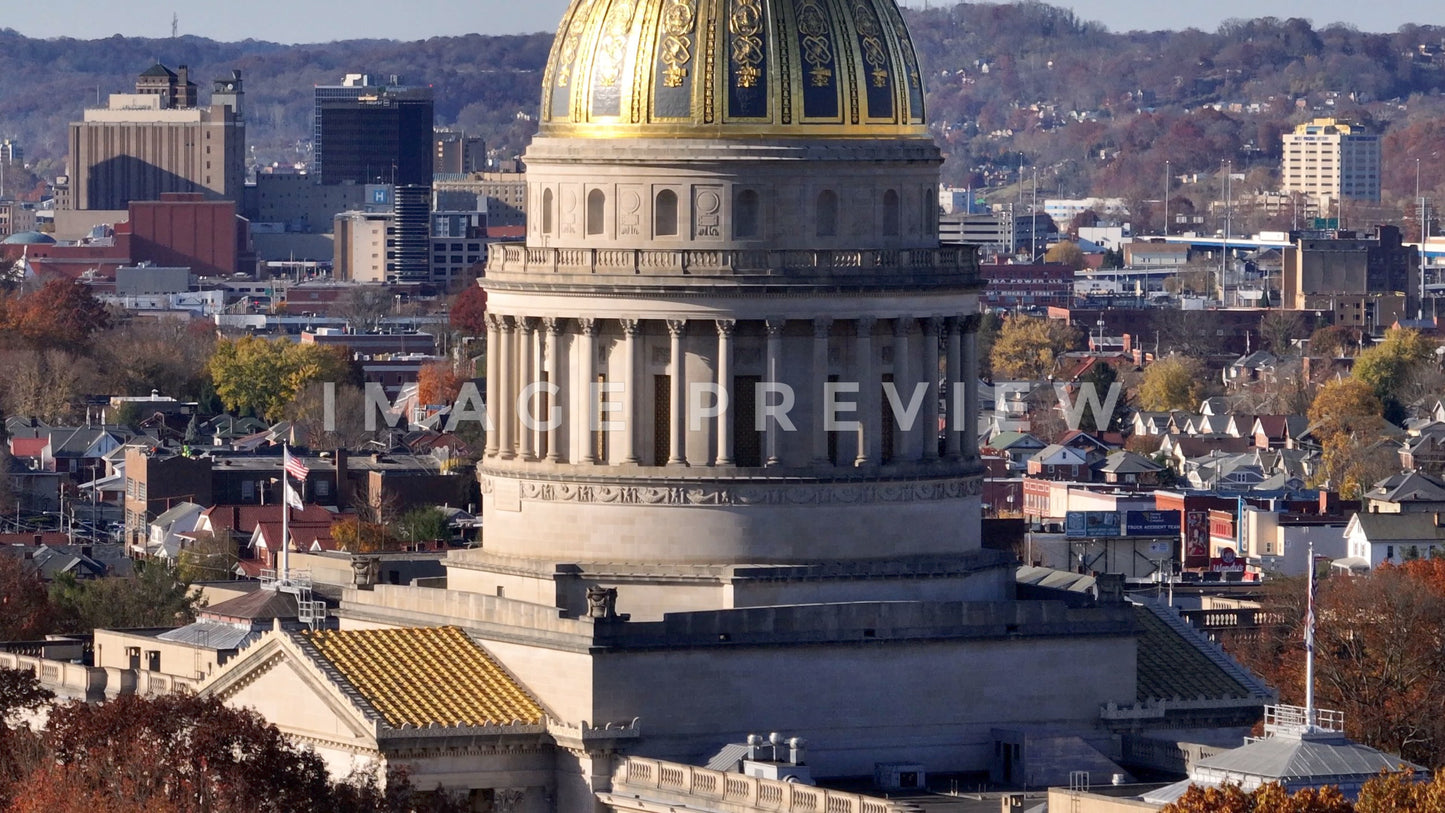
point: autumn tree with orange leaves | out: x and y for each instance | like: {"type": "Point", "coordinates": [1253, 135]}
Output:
{"type": "Point", "coordinates": [176, 753]}
{"type": "Point", "coordinates": [1377, 654]}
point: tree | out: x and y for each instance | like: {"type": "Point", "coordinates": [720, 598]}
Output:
{"type": "Point", "coordinates": [357, 535]}
{"type": "Point", "coordinates": [1066, 252]}
{"type": "Point", "coordinates": [469, 311]}
{"type": "Point", "coordinates": [438, 383]}
{"type": "Point", "coordinates": [154, 597]}
{"type": "Point", "coordinates": [1267, 798]}
{"type": "Point", "coordinates": [1278, 330]}
{"type": "Point", "coordinates": [423, 524]}
{"type": "Point", "coordinates": [63, 314]}
{"type": "Point", "coordinates": [1102, 377]}
{"type": "Point", "coordinates": [263, 376]}
{"type": "Point", "coordinates": [1376, 656]}
{"type": "Point", "coordinates": [1333, 341]}
{"type": "Point", "coordinates": [365, 306]}
{"type": "Point", "coordinates": [1390, 366]}
{"type": "Point", "coordinates": [1345, 406]}
{"type": "Point", "coordinates": [208, 558]}
{"type": "Point", "coordinates": [25, 611]}
{"type": "Point", "coordinates": [1028, 348]}
{"type": "Point", "coordinates": [1173, 382]}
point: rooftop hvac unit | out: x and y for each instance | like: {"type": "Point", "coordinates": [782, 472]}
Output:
{"type": "Point", "coordinates": [895, 776]}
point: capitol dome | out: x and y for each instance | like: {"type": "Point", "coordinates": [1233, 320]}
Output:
{"type": "Point", "coordinates": [722, 68]}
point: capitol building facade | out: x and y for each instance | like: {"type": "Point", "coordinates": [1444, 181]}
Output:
{"type": "Point", "coordinates": [733, 485]}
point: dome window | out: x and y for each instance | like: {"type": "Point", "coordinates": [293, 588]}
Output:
{"type": "Point", "coordinates": [745, 214]}
{"type": "Point", "coordinates": [827, 213]}
{"type": "Point", "coordinates": [664, 214]}
{"type": "Point", "coordinates": [890, 213]}
{"type": "Point", "coordinates": [596, 211]}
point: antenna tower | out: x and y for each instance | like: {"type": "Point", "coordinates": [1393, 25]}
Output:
{"type": "Point", "coordinates": [175, 23]}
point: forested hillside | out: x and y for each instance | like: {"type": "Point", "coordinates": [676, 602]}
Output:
{"type": "Point", "coordinates": [1086, 110]}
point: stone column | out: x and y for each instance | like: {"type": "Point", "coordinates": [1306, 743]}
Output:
{"type": "Point", "coordinates": [774, 362]}
{"type": "Point", "coordinates": [969, 326]}
{"type": "Point", "coordinates": [955, 373]}
{"type": "Point", "coordinates": [870, 421]}
{"type": "Point", "coordinates": [494, 380]}
{"type": "Point", "coordinates": [506, 391]}
{"type": "Point", "coordinates": [821, 327]}
{"type": "Point", "coordinates": [931, 327]}
{"type": "Point", "coordinates": [903, 385]}
{"type": "Point", "coordinates": [586, 403]}
{"type": "Point", "coordinates": [676, 435]}
{"type": "Point", "coordinates": [527, 333]}
{"type": "Point", "coordinates": [725, 383]}
{"type": "Point", "coordinates": [631, 387]}
{"type": "Point", "coordinates": [553, 327]}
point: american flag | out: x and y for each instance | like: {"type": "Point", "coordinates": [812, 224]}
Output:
{"type": "Point", "coordinates": [295, 467]}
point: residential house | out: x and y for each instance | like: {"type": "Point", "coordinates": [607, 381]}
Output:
{"type": "Point", "coordinates": [1251, 368]}
{"type": "Point", "coordinates": [1424, 448]}
{"type": "Point", "coordinates": [1407, 492]}
{"type": "Point", "coordinates": [1279, 431]}
{"type": "Point", "coordinates": [1373, 539]}
{"type": "Point", "coordinates": [1058, 462]}
{"type": "Point", "coordinates": [1127, 468]}
{"type": "Point", "coordinates": [1018, 447]}
{"type": "Point", "coordinates": [164, 539]}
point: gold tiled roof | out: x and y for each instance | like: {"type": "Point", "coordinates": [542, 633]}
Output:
{"type": "Point", "coordinates": [426, 675]}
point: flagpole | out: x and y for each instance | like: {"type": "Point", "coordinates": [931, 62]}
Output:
{"type": "Point", "coordinates": [1310, 644]}
{"type": "Point", "coordinates": [285, 568]}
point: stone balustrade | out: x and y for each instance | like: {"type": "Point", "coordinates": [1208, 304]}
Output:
{"type": "Point", "coordinates": [517, 260]}
{"type": "Point", "coordinates": [655, 779]}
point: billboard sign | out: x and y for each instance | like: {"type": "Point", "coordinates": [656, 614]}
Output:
{"type": "Point", "coordinates": [1151, 523]}
{"type": "Point", "coordinates": [1196, 539]}
{"type": "Point", "coordinates": [1089, 524]}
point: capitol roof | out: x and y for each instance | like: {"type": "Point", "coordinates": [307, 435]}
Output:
{"type": "Point", "coordinates": [724, 68]}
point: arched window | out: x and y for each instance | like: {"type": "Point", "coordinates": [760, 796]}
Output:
{"type": "Point", "coordinates": [596, 211]}
{"type": "Point", "coordinates": [546, 211]}
{"type": "Point", "coordinates": [930, 211]}
{"type": "Point", "coordinates": [664, 214]}
{"type": "Point", "coordinates": [827, 213]}
{"type": "Point", "coordinates": [745, 214]}
{"type": "Point", "coordinates": [890, 213]}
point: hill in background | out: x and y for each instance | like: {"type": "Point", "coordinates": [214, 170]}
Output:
{"type": "Point", "coordinates": [1084, 110]}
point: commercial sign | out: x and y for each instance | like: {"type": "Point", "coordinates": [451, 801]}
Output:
{"type": "Point", "coordinates": [1227, 562]}
{"type": "Point", "coordinates": [1151, 523]}
{"type": "Point", "coordinates": [1091, 524]}
{"type": "Point", "coordinates": [1196, 539]}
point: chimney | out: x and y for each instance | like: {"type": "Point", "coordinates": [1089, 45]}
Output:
{"type": "Point", "coordinates": [341, 482]}
{"type": "Point", "coordinates": [796, 750]}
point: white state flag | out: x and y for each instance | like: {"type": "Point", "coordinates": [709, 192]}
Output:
{"type": "Point", "coordinates": [293, 499]}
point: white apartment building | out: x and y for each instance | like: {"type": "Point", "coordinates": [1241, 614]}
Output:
{"type": "Point", "coordinates": [1326, 160]}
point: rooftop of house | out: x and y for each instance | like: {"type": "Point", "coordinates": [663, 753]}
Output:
{"type": "Point", "coordinates": [421, 676]}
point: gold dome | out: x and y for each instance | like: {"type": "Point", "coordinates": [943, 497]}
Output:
{"type": "Point", "coordinates": [726, 68]}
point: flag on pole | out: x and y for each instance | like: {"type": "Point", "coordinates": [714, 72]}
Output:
{"type": "Point", "coordinates": [295, 467]}
{"type": "Point", "coordinates": [293, 498]}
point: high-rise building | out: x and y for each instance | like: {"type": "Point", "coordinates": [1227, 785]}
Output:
{"type": "Point", "coordinates": [1326, 161]}
{"type": "Point", "coordinates": [156, 140]}
{"type": "Point", "coordinates": [370, 133]}
{"type": "Point", "coordinates": [457, 153]}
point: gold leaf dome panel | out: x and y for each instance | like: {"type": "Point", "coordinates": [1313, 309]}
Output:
{"type": "Point", "coordinates": [727, 68]}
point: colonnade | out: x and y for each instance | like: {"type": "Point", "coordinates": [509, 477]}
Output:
{"type": "Point", "coordinates": [543, 365]}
